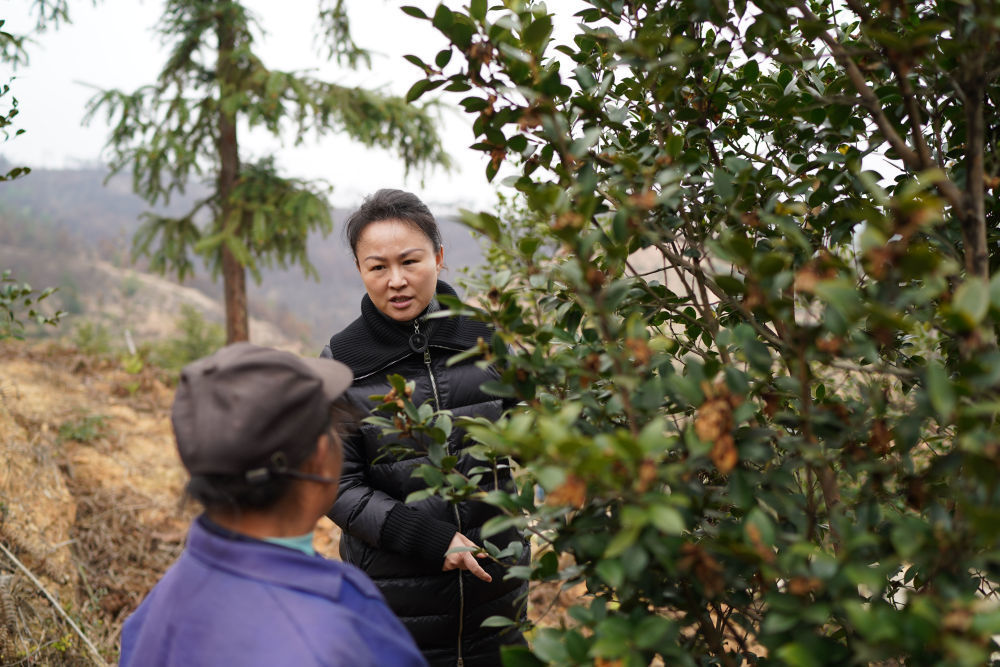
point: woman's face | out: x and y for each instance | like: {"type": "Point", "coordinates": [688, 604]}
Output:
{"type": "Point", "coordinates": [399, 267]}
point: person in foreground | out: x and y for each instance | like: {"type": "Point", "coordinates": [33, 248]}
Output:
{"type": "Point", "coordinates": [256, 429]}
{"type": "Point", "coordinates": [441, 596]}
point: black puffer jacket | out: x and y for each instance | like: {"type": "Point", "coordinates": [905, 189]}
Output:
{"type": "Point", "coordinates": [401, 546]}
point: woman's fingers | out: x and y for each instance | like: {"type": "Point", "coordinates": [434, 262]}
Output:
{"type": "Point", "coordinates": [465, 560]}
{"type": "Point", "coordinates": [475, 568]}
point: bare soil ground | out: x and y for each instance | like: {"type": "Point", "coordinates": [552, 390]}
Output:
{"type": "Point", "coordinates": [90, 489]}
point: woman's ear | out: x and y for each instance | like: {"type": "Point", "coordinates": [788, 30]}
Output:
{"type": "Point", "coordinates": [439, 259]}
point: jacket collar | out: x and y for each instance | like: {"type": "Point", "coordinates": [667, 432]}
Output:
{"type": "Point", "coordinates": [374, 341]}
{"type": "Point", "coordinates": [250, 558]}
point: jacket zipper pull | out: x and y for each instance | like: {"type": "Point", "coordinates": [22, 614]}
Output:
{"type": "Point", "coordinates": [418, 341]}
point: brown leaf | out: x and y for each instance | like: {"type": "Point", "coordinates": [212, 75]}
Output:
{"type": "Point", "coordinates": [572, 492]}
{"type": "Point", "coordinates": [705, 568]}
{"type": "Point", "coordinates": [771, 404]}
{"type": "Point", "coordinates": [878, 261]}
{"type": "Point", "coordinates": [644, 200]}
{"type": "Point", "coordinates": [646, 477]}
{"type": "Point", "coordinates": [754, 297]}
{"type": "Point", "coordinates": [568, 220]}
{"type": "Point", "coordinates": [880, 441]}
{"type": "Point", "coordinates": [804, 585]}
{"type": "Point", "coordinates": [595, 278]}
{"type": "Point", "coordinates": [640, 350]}
{"type": "Point", "coordinates": [497, 156]}
{"type": "Point", "coordinates": [713, 419]}
{"type": "Point", "coordinates": [829, 344]}
{"type": "Point", "coordinates": [528, 120]}
{"type": "Point", "coordinates": [765, 552]}
{"type": "Point", "coordinates": [957, 620]}
{"type": "Point", "coordinates": [751, 219]}
{"type": "Point", "coordinates": [806, 279]}
{"type": "Point", "coordinates": [724, 454]}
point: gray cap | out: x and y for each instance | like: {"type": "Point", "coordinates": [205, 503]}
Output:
{"type": "Point", "coordinates": [246, 407]}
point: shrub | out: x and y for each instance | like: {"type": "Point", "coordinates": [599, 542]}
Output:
{"type": "Point", "coordinates": [16, 301]}
{"type": "Point", "coordinates": [748, 303]}
{"type": "Point", "coordinates": [92, 338]}
{"type": "Point", "coordinates": [196, 338]}
{"type": "Point", "coordinates": [84, 428]}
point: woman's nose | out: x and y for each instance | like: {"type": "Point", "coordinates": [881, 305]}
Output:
{"type": "Point", "coordinates": [396, 278]}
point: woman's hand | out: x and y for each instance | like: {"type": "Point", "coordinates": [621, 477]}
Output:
{"type": "Point", "coordinates": [464, 560]}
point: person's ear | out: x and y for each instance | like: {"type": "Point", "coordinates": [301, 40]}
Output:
{"type": "Point", "coordinates": [439, 259]}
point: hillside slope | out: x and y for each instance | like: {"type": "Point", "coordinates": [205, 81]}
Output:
{"type": "Point", "coordinates": [89, 498]}
{"type": "Point", "coordinates": [57, 216]}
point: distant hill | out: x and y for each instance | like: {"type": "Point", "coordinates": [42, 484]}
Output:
{"type": "Point", "coordinates": [50, 220]}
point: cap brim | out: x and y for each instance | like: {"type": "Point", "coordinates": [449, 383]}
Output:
{"type": "Point", "coordinates": [336, 376]}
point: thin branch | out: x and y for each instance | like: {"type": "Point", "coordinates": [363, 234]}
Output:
{"type": "Point", "coordinates": [94, 653]}
{"type": "Point", "coordinates": [869, 100]}
{"type": "Point", "coordinates": [860, 10]}
{"type": "Point", "coordinates": [910, 100]}
{"type": "Point", "coordinates": [679, 260]}
{"type": "Point", "coordinates": [872, 370]}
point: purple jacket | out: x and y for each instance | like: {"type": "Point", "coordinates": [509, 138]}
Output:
{"type": "Point", "coordinates": [240, 601]}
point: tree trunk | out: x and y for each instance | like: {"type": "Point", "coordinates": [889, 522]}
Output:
{"type": "Point", "coordinates": [234, 285]}
{"type": "Point", "coordinates": [234, 278]}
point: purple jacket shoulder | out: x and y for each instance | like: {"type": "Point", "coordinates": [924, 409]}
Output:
{"type": "Point", "coordinates": [246, 602]}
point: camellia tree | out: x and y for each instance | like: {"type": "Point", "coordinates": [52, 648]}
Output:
{"type": "Point", "coordinates": [747, 294]}
{"type": "Point", "coordinates": [187, 124]}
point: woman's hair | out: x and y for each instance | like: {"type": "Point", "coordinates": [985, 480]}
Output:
{"type": "Point", "coordinates": [233, 493]}
{"type": "Point", "coordinates": [387, 204]}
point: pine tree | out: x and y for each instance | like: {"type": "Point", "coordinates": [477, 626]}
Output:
{"type": "Point", "coordinates": [186, 125]}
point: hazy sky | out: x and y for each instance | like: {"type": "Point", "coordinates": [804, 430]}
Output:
{"type": "Point", "coordinates": [113, 45]}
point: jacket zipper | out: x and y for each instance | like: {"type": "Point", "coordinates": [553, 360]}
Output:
{"type": "Point", "coordinates": [427, 362]}
{"type": "Point", "coordinates": [458, 519]}
{"type": "Point", "coordinates": [461, 598]}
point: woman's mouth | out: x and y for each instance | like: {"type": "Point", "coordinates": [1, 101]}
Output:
{"type": "Point", "coordinates": [401, 302]}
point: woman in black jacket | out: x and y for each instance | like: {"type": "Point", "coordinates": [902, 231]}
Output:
{"type": "Point", "coordinates": [442, 599]}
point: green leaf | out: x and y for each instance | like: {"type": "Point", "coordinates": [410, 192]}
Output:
{"type": "Point", "coordinates": [995, 291]}
{"type": "Point", "coordinates": [421, 87]}
{"type": "Point", "coordinates": [548, 646]}
{"type": "Point", "coordinates": [443, 18]}
{"type": "Point", "coordinates": [415, 61]}
{"type": "Point", "coordinates": [723, 183]}
{"type": "Point", "coordinates": [477, 9]}
{"type": "Point", "coordinates": [611, 571]}
{"type": "Point", "coordinates": [417, 496]}
{"type": "Point", "coordinates": [796, 654]}
{"type": "Point", "coordinates": [972, 300]}
{"type": "Point", "coordinates": [519, 656]}
{"type": "Point", "coordinates": [415, 12]}
{"type": "Point", "coordinates": [622, 541]}
{"type": "Point", "coordinates": [667, 519]}
{"type": "Point", "coordinates": [940, 391]}
{"type": "Point", "coordinates": [497, 622]}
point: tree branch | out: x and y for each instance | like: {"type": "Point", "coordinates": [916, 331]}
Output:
{"type": "Point", "coordinates": [912, 159]}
